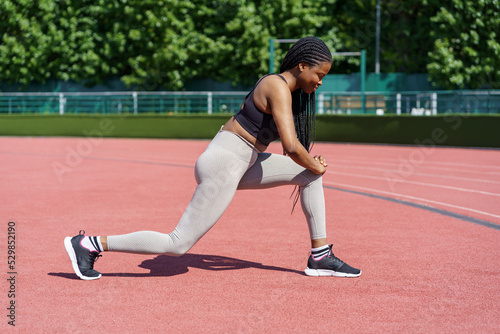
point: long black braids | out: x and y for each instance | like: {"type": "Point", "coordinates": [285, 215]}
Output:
{"type": "Point", "coordinates": [304, 117]}
{"type": "Point", "coordinates": [312, 51]}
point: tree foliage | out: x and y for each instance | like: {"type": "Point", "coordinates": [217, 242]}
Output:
{"type": "Point", "coordinates": [404, 33]}
{"type": "Point", "coordinates": [152, 44]}
{"type": "Point", "coordinates": [466, 51]}
{"type": "Point", "coordinates": [149, 43]}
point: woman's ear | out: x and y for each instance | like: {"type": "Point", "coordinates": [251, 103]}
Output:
{"type": "Point", "coordinates": [302, 66]}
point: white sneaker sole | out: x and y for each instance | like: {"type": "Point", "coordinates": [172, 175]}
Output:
{"type": "Point", "coordinates": [74, 262]}
{"type": "Point", "coordinates": [326, 272]}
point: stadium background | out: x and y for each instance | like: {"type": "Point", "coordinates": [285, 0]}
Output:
{"type": "Point", "coordinates": [423, 59]}
{"type": "Point", "coordinates": [421, 220]}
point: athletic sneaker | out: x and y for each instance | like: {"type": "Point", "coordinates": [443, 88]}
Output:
{"type": "Point", "coordinates": [330, 265]}
{"type": "Point", "coordinates": [81, 257]}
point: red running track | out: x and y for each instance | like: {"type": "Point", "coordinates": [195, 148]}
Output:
{"type": "Point", "coordinates": [421, 222]}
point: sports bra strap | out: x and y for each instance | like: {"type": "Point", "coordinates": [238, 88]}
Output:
{"type": "Point", "coordinates": [258, 82]}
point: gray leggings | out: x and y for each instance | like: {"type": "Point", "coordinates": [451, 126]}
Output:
{"type": "Point", "coordinates": [229, 163]}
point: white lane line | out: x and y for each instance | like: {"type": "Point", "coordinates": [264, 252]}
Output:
{"type": "Point", "coordinates": [477, 170]}
{"type": "Point", "coordinates": [419, 174]}
{"type": "Point", "coordinates": [402, 180]}
{"type": "Point", "coordinates": [444, 163]}
{"type": "Point", "coordinates": [396, 195]}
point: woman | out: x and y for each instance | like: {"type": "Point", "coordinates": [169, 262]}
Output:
{"type": "Point", "coordinates": [280, 106]}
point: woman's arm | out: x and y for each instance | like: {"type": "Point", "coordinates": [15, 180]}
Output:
{"type": "Point", "coordinates": [273, 95]}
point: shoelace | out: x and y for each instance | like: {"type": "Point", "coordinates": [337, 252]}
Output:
{"type": "Point", "coordinates": [332, 256]}
{"type": "Point", "coordinates": [93, 258]}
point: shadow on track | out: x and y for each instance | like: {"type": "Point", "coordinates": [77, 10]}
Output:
{"type": "Point", "coordinates": [164, 265]}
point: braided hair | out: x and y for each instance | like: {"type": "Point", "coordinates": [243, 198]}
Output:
{"type": "Point", "coordinates": [313, 51]}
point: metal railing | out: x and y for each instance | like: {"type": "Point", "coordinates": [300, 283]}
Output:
{"type": "Point", "coordinates": [411, 103]}
{"type": "Point", "coordinates": [121, 102]}
{"type": "Point", "coordinates": [398, 103]}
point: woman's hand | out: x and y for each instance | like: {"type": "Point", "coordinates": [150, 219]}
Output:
{"type": "Point", "coordinates": [322, 164]}
{"type": "Point", "coordinates": [321, 160]}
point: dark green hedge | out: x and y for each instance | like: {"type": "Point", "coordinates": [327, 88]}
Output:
{"type": "Point", "coordinates": [449, 130]}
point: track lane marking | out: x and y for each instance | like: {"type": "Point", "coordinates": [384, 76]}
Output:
{"type": "Point", "coordinates": [421, 174]}
{"type": "Point", "coordinates": [420, 183]}
{"type": "Point", "coordinates": [332, 184]}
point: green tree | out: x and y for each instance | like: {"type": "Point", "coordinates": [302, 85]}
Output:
{"type": "Point", "coordinates": [151, 44]}
{"type": "Point", "coordinates": [49, 39]}
{"type": "Point", "coordinates": [23, 44]}
{"type": "Point", "coordinates": [227, 40]}
{"type": "Point", "coordinates": [255, 22]}
{"type": "Point", "coordinates": [404, 33]}
{"type": "Point", "coordinates": [466, 50]}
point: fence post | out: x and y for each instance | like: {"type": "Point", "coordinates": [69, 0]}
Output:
{"type": "Point", "coordinates": [363, 80]}
{"type": "Point", "coordinates": [271, 55]}
{"type": "Point", "coordinates": [134, 96]}
{"type": "Point", "coordinates": [398, 103]}
{"type": "Point", "coordinates": [434, 103]}
{"type": "Point", "coordinates": [209, 102]}
{"type": "Point", "coordinates": [61, 104]}
{"type": "Point", "coordinates": [104, 103]}
{"type": "Point", "coordinates": [321, 100]}
{"type": "Point", "coordinates": [488, 103]}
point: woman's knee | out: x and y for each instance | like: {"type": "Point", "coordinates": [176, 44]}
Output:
{"type": "Point", "coordinates": [171, 244]}
{"type": "Point", "coordinates": [308, 178]}
{"type": "Point", "coordinates": [182, 248]}
{"type": "Point", "coordinates": [179, 245]}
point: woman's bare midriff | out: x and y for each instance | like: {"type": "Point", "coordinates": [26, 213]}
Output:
{"type": "Point", "coordinates": [233, 126]}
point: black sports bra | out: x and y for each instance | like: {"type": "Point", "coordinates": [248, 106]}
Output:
{"type": "Point", "coordinates": [258, 123]}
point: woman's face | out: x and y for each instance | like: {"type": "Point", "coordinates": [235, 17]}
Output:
{"type": "Point", "coordinates": [311, 77]}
